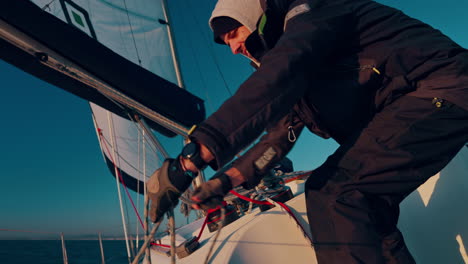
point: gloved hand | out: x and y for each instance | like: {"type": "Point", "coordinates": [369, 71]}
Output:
{"type": "Point", "coordinates": [165, 187]}
{"type": "Point", "coordinates": [211, 193]}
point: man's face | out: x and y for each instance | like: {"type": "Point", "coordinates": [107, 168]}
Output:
{"type": "Point", "coordinates": [235, 39]}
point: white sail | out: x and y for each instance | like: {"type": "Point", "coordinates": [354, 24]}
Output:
{"type": "Point", "coordinates": [132, 29]}
{"type": "Point", "coordinates": [136, 31]}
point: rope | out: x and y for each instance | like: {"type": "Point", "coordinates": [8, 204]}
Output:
{"type": "Point", "coordinates": [145, 245]}
{"type": "Point", "coordinates": [138, 188]}
{"type": "Point", "coordinates": [171, 224]}
{"type": "Point", "coordinates": [249, 199]}
{"type": "Point", "coordinates": [212, 54]}
{"type": "Point", "coordinates": [298, 177]}
{"type": "Point", "coordinates": [220, 226]}
{"type": "Point", "coordinates": [131, 30]}
{"type": "Point", "coordinates": [122, 158]}
{"type": "Point", "coordinates": [282, 205]}
{"type": "Point", "coordinates": [47, 6]}
{"type": "Point", "coordinates": [201, 229]}
{"type": "Point", "coordinates": [120, 177]}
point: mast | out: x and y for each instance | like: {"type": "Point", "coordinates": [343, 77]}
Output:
{"type": "Point", "coordinates": [175, 58]}
{"type": "Point", "coordinates": [201, 177]}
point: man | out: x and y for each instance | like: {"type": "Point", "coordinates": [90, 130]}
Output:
{"type": "Point", "coordinates": [391, 90]}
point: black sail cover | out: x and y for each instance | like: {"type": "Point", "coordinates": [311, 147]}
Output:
{"type": "Point", "coordinates": [83, 49]}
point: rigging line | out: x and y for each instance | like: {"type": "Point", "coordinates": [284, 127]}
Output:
{"type": "Point", "coordinates": [198, 67]}
{"type": "Point", "coordinates": [117, 180]}
{"type": "Point", "coordinates": [220, 226]}
{"type": "Point", "coordinates": [197, 22]}
{"type": "Point", "coordinates": [132, 248]}
{"type": "Point", "coordinates": [126, 210]}
{"type": "Point", "coordinates": [147, 241]}
{"type": "Point", "coordinates": [135, 122]}
{"type": "Point", "coordinates": [172, 232]}
{"type": "Point", "coordinates": [133, 13]}
{"type": "Point", "coordinates": [122, 158]}
{"type": "Point", "coordinates": [99, 130]}
{"type": "Point", "coordinates": [131, 30]}
{"type": "Point", "coordinates": [138, 188]}
{"type": "Point", "coordinates": [211, 52]}
{"type": "Point", "coordinates": [47, 6]}
{"type": "Point", "coordinates": [123, 183]}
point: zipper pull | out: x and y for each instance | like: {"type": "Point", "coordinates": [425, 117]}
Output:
{"type": "Point", "coordinates": [291, 135]}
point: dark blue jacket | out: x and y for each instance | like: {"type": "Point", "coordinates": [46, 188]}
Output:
{"type": "Point", "coordinates": [331, 70]}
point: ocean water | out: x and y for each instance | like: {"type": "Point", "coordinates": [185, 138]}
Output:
{"type": "Point", "coordinates": [50, 252]}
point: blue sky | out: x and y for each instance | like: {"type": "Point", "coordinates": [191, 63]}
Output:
{"type": "Point", "coordinates": [53, 178]}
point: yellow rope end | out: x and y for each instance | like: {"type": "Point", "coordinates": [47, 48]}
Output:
{"type": "Point", "coordinates": [192, 129]}
{"type": "Point", "coordinates": [376, 70]}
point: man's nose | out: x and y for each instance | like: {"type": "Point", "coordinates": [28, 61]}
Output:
{"type": "Point", "coordinates": [235, 47]}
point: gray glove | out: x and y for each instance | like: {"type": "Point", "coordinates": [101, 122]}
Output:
{"type": "Point", "coordinates": [165, 187]}
{"type": "Point", "coordinates": [211, 193]}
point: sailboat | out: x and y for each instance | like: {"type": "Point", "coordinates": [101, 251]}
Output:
{"type": "Point", "coordinates": [120, 56]}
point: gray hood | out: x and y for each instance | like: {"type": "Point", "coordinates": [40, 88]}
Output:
{"type": "Point", "coordinates": [247, 12]}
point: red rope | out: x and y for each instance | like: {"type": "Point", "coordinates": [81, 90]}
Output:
{"type": "Point", "coordinates": [210, 211]}
{"type": "Point", "coordinates": [300, 176]}
{"type": "Point", "coordinates": [202, 228]}
{"type": "Point", "coordinates": [160, 245]}
{"type": "Point", "coordinates": [212, 221]}
{"type": "Point", "coordinates": [198, 237]}
{"type": "Point", "coordinates": [245, 198]}
{"type": "Point", "coordinates": [120, 178]}
{"type": "Point", "coordinates": [285, 207]}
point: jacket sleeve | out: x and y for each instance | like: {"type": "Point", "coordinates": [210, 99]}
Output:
{"type": "Point", "coordinates": [272, 147]}
{"type": "Point", "coordinates": [281, 80]}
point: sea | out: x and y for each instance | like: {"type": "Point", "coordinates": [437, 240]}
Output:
{"type": "Point", "coordinates": [50, 252]}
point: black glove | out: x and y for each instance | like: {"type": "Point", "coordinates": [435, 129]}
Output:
{"type": "Point", "coordinates": [211, 193]}
{"type": "Point", "coordinates": [165, 187]}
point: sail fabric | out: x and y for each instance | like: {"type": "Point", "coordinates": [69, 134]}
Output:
{"type": "Point", "coordinates": [126, 149]}
{"type": "Point", "coordinates": [130, 28]}
{"type": "Point", "coordinates": [136, 31]}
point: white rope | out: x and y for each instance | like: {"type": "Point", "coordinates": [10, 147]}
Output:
{"type": "Point", "coordinates": [147, 241]}
{"type": "Point", "coordinates": [172, 233]}
{"type": "Point", "coordinates": [220, 226]}
{"type": "Point", "coordinates": [111, 132]}
{"type": "Point", "coordinates": [138, 188]}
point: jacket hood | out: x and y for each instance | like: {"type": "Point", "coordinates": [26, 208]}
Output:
{"type": "Point", "coordinates": [246, 12]}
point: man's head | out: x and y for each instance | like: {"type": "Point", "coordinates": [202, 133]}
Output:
{"type": "Point", "coordinates": [232, 21]}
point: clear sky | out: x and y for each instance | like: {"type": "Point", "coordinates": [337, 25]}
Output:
{"type": "Point", "coordinates": [53, 178]}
